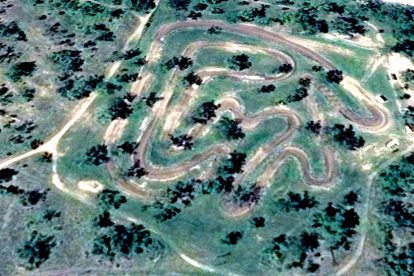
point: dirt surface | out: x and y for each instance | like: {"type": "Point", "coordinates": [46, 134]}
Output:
{"type": "Point", "coordinates": [377, 122]}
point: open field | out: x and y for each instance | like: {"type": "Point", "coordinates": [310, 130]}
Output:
{"type": "Point", "coordinates": [180, 137]}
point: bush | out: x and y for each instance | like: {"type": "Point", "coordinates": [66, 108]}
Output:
{"type": "Point", "coordinates": [97, 155]}
{"type": "Point", "coordinates": [36, 250]}
{"type": "Point", "coordinates": [231, 128]}
{"type": "Point", "coordinates": [22, 69]}
{"type": "Point", "coordinates": [335, 76]}
{"type": "Point", "coordinates": [111, 199]}
{"type": "Point", "coordinates": [347, 137]}
{"type": "Point", "coordinates": [240, 62]}
{"type": "Point", "coordinates": [68, 60]}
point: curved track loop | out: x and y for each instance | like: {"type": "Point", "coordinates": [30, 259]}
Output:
{"type": "Point", "coordinates": [232, 105]}
{"type": "Point", "coordinates": [168, 173]}
{"type": "Point", "coordinates": [301, 156]}
{"type": "Point", "coordinates": [208, 73]}
{"type": "Point", "coordinates": [242, 29]}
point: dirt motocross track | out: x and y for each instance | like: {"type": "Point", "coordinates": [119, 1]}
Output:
{"type": "Point", "coordinates": [378, 120]}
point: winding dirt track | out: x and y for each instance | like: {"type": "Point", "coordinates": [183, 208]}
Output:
{"type": "Point", "coordinates": [232, 105]}
{"type": "Point", "coordinates": [167, 173]}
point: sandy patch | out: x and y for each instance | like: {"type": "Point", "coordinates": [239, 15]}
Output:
{"type": "Point", "coordinates": [139, 30]}
{"type": "Point", "coordinates": [358, 40]}
{"type": "Point", "coordinates": [404, 2]}
{"type": "Point", "coordinates": [353, 86]}
{"type": "Point", "coordinates": [234, 47]}
{"type": "Point", "coordinates": [114, 131]}
{"type": "Point", "coordinates": [398, 63]}
{"type": "Point", "coordinates": [172, 121]}
{"type": "Point", "coordinates": [90, 186]}
{"type": "Point", "coordinates": [113, 69]}
{"type": "Point", "coordinates": [320, 46]}
{"type": "Point", "coordinates": [141, 84]}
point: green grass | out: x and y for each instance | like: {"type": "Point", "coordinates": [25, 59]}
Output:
{"type": "Point", "coordinates": [261, 63]}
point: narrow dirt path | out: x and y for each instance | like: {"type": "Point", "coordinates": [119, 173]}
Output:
{"type": "Point", "coordinates": [378, 122]}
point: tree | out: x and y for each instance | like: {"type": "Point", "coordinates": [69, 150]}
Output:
{"type": "Point", "coordinates": [182, 141]}
{"type": "Point", "coordinates": [201, 7]}
{"type": "Point", "coordinates": [396, 215]}
{"type": "Point", "coordinates": [7, 174]}
{"type": "Point", "coordinates": [214, 30]}
{"type": "Point", "coordinates": [131, 53]}
{"type": "Point", "coordinates": [285, 68]}
{"type": "Point", "coordinates": [335, 76]}
{"type": "Point", "coordinates": [181, 62]}
{"type": "Point", "coordinates": [305, 81]}
{"type": "Point", "coordinates": [309, 241]}
{"type": "Point", "coordinates": [267, 88]}
{"type": "Point", "coordinates": [405, 46]}
{"type": "Point", "coordinates": [22, 69]}
{"type": "Point", "coordinates": [300, 93]}
{"type": "Point", "coordinates": [240, 62]}
{"type": "Point", "coordinates": [97, 155]}
{"type": "Point", "coordinates": [179, 4]}
{"type": "Point", "coordinates": [258, 222]}
{"type": "Point", "coordinates": [218, 185]}
{"type": "Point", "coordinates": [143, 5]}
{"type": "Point", "coordinates": [129, 147]}
{"type": "Point", "coordinates": [120, 108]}
{"type": "Point", "coordinates": [123, 241]}
{"type": "Point", "coordinates": [205, 112]}
{"type": "Point", "coordinates": [11, 29]}
{"type": "Point", "coordinates": [317, 68]}
{"type": "Point", "coordinates": [409, 116]}
{"type": "Point", "coordinates": [235, 163]}
{"type": "Point", "coordinates": [76, 88]}
{"type": "Point", "coordinates": [192, 78]}
{"type": "Point", "coordinates": [231, 128]}
{"type": "Point", "coordinates": [111, 199]}
{"type": "Point", "coordinates": [32, 197]}
{"type": "Point", "coordinates": [68, 60]}
{"type": "Point", "coordinates": [152, 99]}
{"type": "Point", "coordinates": [136, 170]}
{"type": "Point", "coordinates": [351, 219]}
{"type": "Point", "coordinates": [351, 198]}
{"type": "Point", "coordinates": [195, 15]}
{"type": "Point", "coordinates": [349, 25]}
{"type": "Point", "coordinates": [408, 77]}
{"type": "Point", "coordinates": [314, 127]}
{"type": "Point", "coordinates": [36, 250]}
{"type": "Point", "coordinates": [183, 192]}
{"type": "Point", "coordinates": [297, 202]}
{"type": "Point", "coordinates": [50, 214]}
{"type": "Point", "coordinates": [347, 137]}
{"type": "Point", "coordinates": [337, 224]}
{"type": "Point", "coordinates": [233, 238]}
{"type": "Point", "coordinates": [127, 78]}
{"type": "Point", "coordinates": [104, 220]}
{"type": "Point", "coordinates": [28, 94]}
{"type": "Point", "coordinates": [246, 196]}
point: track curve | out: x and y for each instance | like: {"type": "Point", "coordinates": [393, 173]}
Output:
{"type": "Point", "coordinates": [233, 106]}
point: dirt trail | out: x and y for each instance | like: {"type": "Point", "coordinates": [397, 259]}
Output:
{"type": "Point", "coordinates": [242, 29]}
{"type": "Point", "coordinates": [378, 122]}
{"type": "Point", "coordinates": [206, 74]}
{"type": "Point", "coordinates": [248, 122]}
{"type": "Point", "coordinates": [303, 159]}
{"type": "Point", "coordinates": [172, 172]}
{"type": "Point", "coordinates": [52, 145]}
